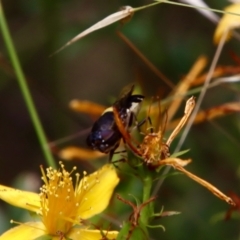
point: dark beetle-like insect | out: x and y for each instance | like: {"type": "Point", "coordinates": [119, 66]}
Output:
{"type": "Point", "coordinates": [105, 135]}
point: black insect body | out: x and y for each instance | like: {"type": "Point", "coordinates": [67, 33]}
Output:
{"type": "Point", "coordinates": [105, 136]}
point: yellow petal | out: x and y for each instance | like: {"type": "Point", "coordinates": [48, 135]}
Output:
{"type": "Point", "coordinates": [28, 230]}
{"type": "Point", "coordinates": [18, 198]}
{"type": "Point", "coordinates": [227, 22]}
{"type": "Point", "coordinates": [71, 153]}
{"type": "Point", "coordinates": [88, 107]}
{"type": "Point", "coordinates": [96, 191]}
{"type": "Point", "coordinates": [85, 234]}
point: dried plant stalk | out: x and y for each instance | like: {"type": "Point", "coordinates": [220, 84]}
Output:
{"type": "Point", "coordinates": [185, 84]}
{"type": "Point", "coordinates": [152, 150]}
{"type": "Point", "coordinates": [188, 110]}
{"type": "Point", "coordinates": [209, 114]}
{"type": "Point", "coordinates": [179, 163]}
{"type": "Point", "coordinates": [218, 72]}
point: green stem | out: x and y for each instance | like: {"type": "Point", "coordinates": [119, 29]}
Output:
{"type": "Point", "coordinates": [198, 7]}
{"type": "Point", "coordinates": [147, 6]}
{"type": "Point", "coordinates": [147, 211]}
{"type": "Point", "coordinates": [24, 88]}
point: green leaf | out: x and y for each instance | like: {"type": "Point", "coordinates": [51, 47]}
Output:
{"type": "Point", "coordinates": [138, 202]}
{"type": "Point", "coordinates": [157, 226]}
{"type": "Point", "coordinates": [168, 175]}
{"type": "Point", "coordinates": [180, 153]}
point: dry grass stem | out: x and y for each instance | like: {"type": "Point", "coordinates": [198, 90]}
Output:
{"type": "Point", "coordinates": [209, 114]}
{"type": "Point", "coordinates": [179, 163]}
{"type": "Point", "coordinates": [185, 84]}
{"type": "Point", "coordinates": [218, 72]}
{"type": "Point", "coordinates": [112, 18]}
{"type": "Point", "coordinates": [188, 110]}
{"type": "Point", "coordinates": [145, 60]}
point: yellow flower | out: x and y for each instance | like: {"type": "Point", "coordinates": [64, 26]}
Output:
{"type": "Point", "coordinates": [61, 206]}
{"type": "Point", "coordinates": [228, 22]}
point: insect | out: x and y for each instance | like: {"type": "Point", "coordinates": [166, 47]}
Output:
{"type": "Point", "coordinates": [154, 152]}
{"type": "Point", "coordinates": [152, 149]}
{"type": "Point", "coordinates": [105, 135]}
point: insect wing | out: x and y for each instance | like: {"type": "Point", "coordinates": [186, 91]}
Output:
{"type": "Point", "coordinates": [105, 135]}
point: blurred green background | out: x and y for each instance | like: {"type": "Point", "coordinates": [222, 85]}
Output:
{"type": "Point", "coordinates": [97, 68]}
